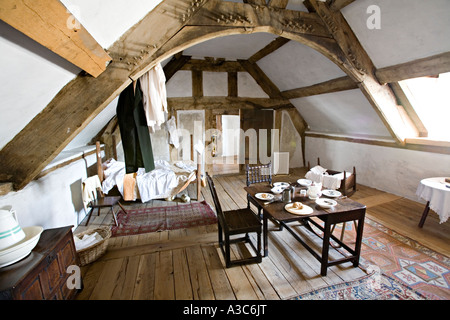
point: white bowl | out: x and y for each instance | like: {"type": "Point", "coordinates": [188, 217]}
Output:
{"type": "Point", "coordinates": [284, 185]}
{"type": "Point", "coordinates": [326, 203]}
{"type": "Point", "coordinates": [21, 249]}
{"type": "Point", "coordinates": [304, 182]}
{"type": "Point", "coordinates": [277, 190]}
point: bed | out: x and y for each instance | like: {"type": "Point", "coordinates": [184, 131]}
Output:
{"type": "Point", "coordinates": [343, 181]}
{"type": "Point", "coordinates": [164, 182]}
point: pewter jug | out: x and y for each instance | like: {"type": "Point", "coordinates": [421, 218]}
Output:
{"type": "Point", "coordinates": [286, 196]}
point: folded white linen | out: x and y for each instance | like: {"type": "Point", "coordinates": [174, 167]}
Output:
{"type": "Point", "coordinates": [315, 177]}
{"type": "Point", "coordinates": [331, 182]}
{"type": "Point", "coordinates": [87, 240]}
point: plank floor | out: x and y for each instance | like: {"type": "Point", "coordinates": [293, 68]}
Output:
{"type": "Point", "coordinates": [187, 264]}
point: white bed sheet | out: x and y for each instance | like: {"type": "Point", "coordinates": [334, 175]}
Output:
{"type": "Point", "coordinates": [162, 182]}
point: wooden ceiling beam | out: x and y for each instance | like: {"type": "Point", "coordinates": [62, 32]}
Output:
{"type": "Point", "coordinates": [280, 4]}
{"type": "Point", "coordinates": [174, 28]}
{"type": "Point", "coordinates": [362, 70]}
{"type": "Point", "coordinates": [177, 62]}
{"type": "Point", "coordinates": [209, 103]}
{"type": "Point", "coordinates": [212, 66]}
{"type": "Point", "coordinates": [429, 66]}
{"type": "Point", "coordinates": [261, 78]}
{"type": "Point", "coordinates": [53, 26]}
{"type": "Point", "coordinates": [270, 48]}
{"type": "Point", "coordinates": [334, 85]}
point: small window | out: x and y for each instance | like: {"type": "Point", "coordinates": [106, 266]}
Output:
{"type": "Point", "coordinates": [430, 98]}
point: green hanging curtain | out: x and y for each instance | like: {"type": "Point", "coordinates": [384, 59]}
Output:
{"type": "Point", "coordinates": [136, 142]}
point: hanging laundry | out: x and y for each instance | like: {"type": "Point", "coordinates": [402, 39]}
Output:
{"type": "Point", "coordinates": [137, 146]}
{"type": "Point", "coordinates": [173, 132]}
{"type": "Point", "coordinates": [153, 85]}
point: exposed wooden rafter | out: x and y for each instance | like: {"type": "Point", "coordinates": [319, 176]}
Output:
{"type": "Point", "coordinates": [362, 70]}
{"type": "Point", "coordinates": [429, 66]}
{"type": "Point", "coordinates": [281, 4]}
{"type": "Point", "coordinates": [53, 26]}
{"type": "Point", "coordinates": [177, 62]}
{"type": "Point", "coordinates": [271, 47]}
{"type": "Point", "coordinates": [175, 25]}
{"type": "Point", "coordinates": [334, 85]}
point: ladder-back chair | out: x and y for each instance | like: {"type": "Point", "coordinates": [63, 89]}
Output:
{"type": "Point", "coordinates": [257, 174]}
{"type": "Point", "coordinates": [235, 222]}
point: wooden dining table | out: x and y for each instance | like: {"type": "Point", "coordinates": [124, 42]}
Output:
{"type": "Point", "coordinates": [345, 210]}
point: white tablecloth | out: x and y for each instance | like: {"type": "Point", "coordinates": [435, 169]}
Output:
{"type": "Point", "coordinates": [435, 191]}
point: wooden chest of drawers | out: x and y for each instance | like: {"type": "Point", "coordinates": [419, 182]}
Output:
{"type": "Point", "coordinates": [42, 275]}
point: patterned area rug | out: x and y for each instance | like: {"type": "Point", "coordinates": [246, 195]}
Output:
{"type": "Point", "coordinates": [402, 259]}
{"type": "Point", "coordinates": [154, 219]}
{"type": "Point", "coordinates": [374, 286]}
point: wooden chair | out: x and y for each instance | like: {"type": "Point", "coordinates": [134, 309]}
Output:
{"type": "Point", "coordinates": [257, 174]}
{"type": "Point", "coordinates": [94, 198]}
{"type": "Point", "coordinates": [235, 222]}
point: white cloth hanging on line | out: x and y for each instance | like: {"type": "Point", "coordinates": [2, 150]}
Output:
{"type": "Point", "coordinates": [173, 132]}
{"type": "Point", "coordinates": [153, 86]}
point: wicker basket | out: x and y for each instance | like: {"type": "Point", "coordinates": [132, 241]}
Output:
{"type": "Point", "coordinates": [92, 253]}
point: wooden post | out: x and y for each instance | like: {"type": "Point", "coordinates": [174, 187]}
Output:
{"type": "Point", "coordinates": [99, 161]}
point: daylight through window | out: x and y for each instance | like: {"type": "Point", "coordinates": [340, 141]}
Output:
{"type": "Point", "coordinates": [430, 97]}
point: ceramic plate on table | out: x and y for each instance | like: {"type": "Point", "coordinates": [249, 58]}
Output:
{"type": "Point", "coordinates": [281, 184]}
{"type": "Point", "coordinates": [303, 211]}
{"type": "Point", "coordinates": [331, 193]}
{"type": "Point", "coordinates": [326, 203]}
{"type": "Point", "coordinates": [304, 182]}
{"type": "Point", "coordinates": [264, 196]}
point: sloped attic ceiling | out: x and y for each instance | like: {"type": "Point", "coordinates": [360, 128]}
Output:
{"type": "Point", "coordinates": [408, 32]}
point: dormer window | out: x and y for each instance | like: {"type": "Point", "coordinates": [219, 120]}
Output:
{"type": "Point", "coordinates": [430, 98]}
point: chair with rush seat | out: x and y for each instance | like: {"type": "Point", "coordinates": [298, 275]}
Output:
{"type": "Point", "coordinates": [235, 222]}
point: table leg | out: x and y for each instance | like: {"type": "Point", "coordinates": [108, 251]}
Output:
{"type": "Point", "coordinates": [325, 248]}
{"type": "Point", "coordinates": [359, 235]}
{"type": "Point", "coordinates": [424, 214]}
{"type": "Point", "coordinates": [265, 237]}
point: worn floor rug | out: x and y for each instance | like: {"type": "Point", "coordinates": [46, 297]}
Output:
{"type": "Point", "coordinates": [375, 286]}
{"type": "Point", "coordinates": [402, 259]}
{"type": "Point", "coordinates": [154, 219]}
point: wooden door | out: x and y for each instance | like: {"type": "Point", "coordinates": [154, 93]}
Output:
{"type": "Point", "coordinates": [256, 120]}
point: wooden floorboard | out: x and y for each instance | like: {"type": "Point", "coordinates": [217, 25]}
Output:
{"type": "Point", "coordinates": [187, 264]}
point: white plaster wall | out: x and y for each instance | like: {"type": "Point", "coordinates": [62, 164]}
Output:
{"type": "Point", "coordinates": [296, 65]}
{"type": "Point", "coordinates": [180, 85]}
{"type": "Point", "coordinates": [248, 87]}
{"type": "Point", "coordinates": [53, 200]}
{"type": "Point", "coordinates": [410, 29]}
{"type": "Point", "coordinates": [394, 170]}
{"type": "Point", "coordinates": [290, 141]}
{"type": "Point", "coordinates": [215, 84]}
{"type": "Point", "coordinates": [238, 46]}
{"type": "Point", "coordinates": [107, 20]}
{"type": "Point", "coordinates": [30, 77]}
{"type": "Point", "coordinates": [346, 112]}
{"type": "Point", "coordinates": [94, 127]}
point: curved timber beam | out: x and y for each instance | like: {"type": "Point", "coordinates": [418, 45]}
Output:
{"type": "Point", "coordinates": [172, 26]}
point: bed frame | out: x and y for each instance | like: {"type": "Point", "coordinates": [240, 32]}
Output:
{"type": "Point", "coordinates": [348, 184]}
{"type": "Point", "coordinates": [196, 178]}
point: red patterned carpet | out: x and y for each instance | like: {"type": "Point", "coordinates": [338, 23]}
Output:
{"type": "Point", "coordinates": [403, 259]}
{"type": "Point", "coordinates": [154, 219]}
